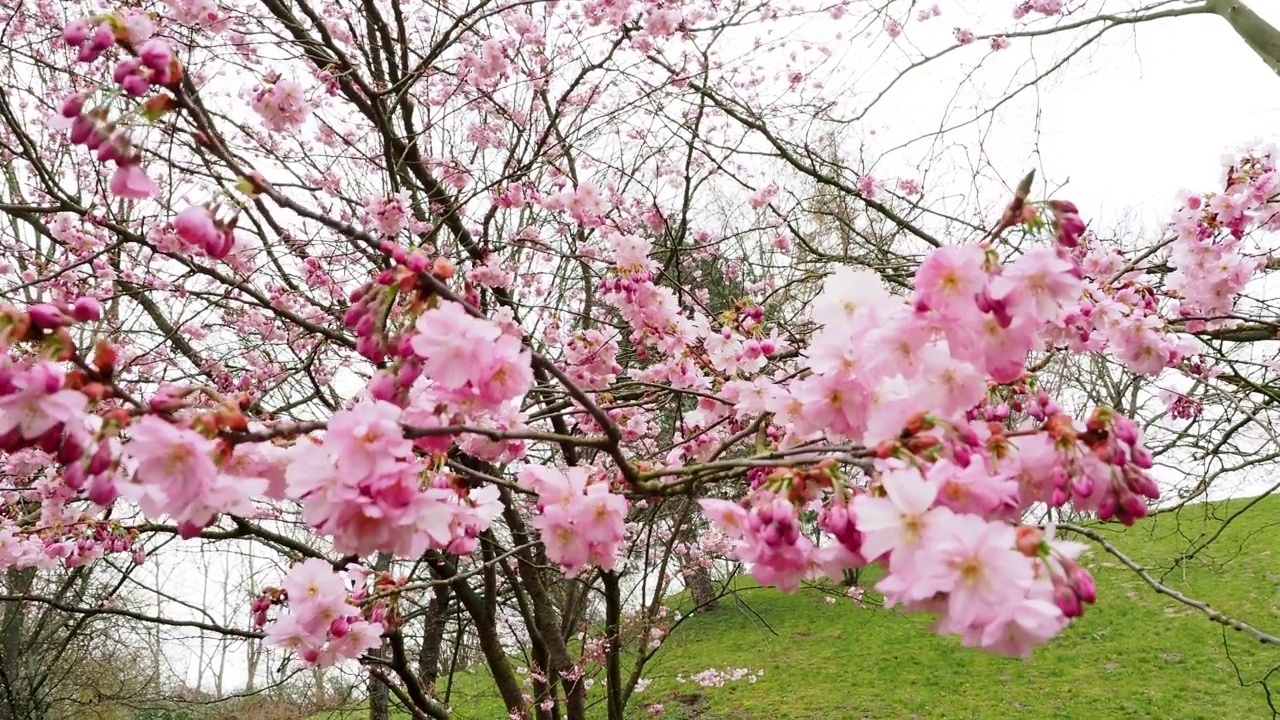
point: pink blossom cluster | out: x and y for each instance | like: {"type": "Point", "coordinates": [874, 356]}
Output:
{"type": "Point", "coordinates": [1211, 261]}
{"type": "Point", "coordinates": [586, 204]}
{"type": "Point", "coordinates": [153, 65]}
{"type": "Point", "coordinates": [198, 13]}
{"type": "Point", "coordinates": [320, 623]}
{"type": "Point", "coordinates": [972, 318]}
{"type": "Point", "coordinates": [712, 677]}
{"type": "Point", "coordinates": [174, 473]}
{"type": "Point", "coordinates": [582, 522]}
{"type": "Point", "coordinates": [470, 360]}
{"type": "Point", "coordinates": [1122, 312]}
{"type": "Point", "coordinates": [1102, 467]}
{"type": "Point", "coordinates": [999, 587]}
{"type": "Point", "coordinates": [1005, 588]}
{"type": "Point", "coordinates": [198, 225]}
{"type": "Point", "coordinates": [81, 544]}
{"type": "Point", "coordinates": [281, 104]}
{"type": "Point", "coordinates": [1043, 7]}
{"type": "Point", "coordinates": [388, 215]}
{"type": "Point", "coordinates": [37, 410]}
{"type": "Point", "coordinates": [488, 65]}
{"type": "Point", "coordinates": [364, 316]}
{"type": "Point", "coordinates": [653, 313]}
{"type": "Point", "coordinates": [768, 538]}
{"type": "Point", "coordinates": [490, 273]}
{"type": "Point", "coordinates": [112, 145]}
{"type": "Point", "coordinates": [363, 486]}
{"type": "Point", "coordinates": [592, 359]}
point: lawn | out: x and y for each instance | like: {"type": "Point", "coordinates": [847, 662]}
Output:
{"type": "Point", "coordinates": [1136, 654]}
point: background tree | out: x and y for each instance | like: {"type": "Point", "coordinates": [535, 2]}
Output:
{"type": "Point", "coordinates": [451, 314]}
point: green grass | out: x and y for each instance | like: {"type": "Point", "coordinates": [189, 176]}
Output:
{"type": "Point", "coordinates": [1135, 654]}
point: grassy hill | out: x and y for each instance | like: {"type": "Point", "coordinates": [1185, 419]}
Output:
{"type": "Point", "coordinates": [1136, 654]}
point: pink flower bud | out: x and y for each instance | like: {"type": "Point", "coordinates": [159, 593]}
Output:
{"type": "Point", "coordinates": [383, 387]}
{"type": "Point", "coordinates": [76, 32]}
{"type": "Point", "coordinates": [86, 309]}
{"type": "Point", "coordinates": [156, 54]}
{"type": "Point", "coordinates": [101, 490]}
{"type": "Point", "coordinates": [1133, 506]}
{"type": "Point", "coordinates": [1082, 486]}
{"type": "Point", "coordinates": [126, 69]}
{"type": "Point", "coordinates": [82, 129]}
{"type": "Point", "coordinates": [1083, 584]}
{"type": "Point", "coordinates": [88, 53]}
{"type": "Point", "coordinates": [97, 136]}
{"type": "Point", "coordinates": [72, 106]}
{"type": "Point", "coordinates": [1058, 498]}
{"type": "Point", "coordinates": [12, 441]}
{"type": "Point", "coordinates": [1142, 458]}
{"type": "Point", "coordinates": [1067, 601]}
{"type": "Point", "coordinates": [74, 476]}
{"type": "Point", "coordinates": [51, 440]}
{"type": "Point", "coordinates": [136, 85]}
{"type": "Point", "coordinates": [103, 37]}
{"type": "Point", "coordinates": [1125, 429]}
{"type": "Point", "coordinates": [101, 460]}
{"type": "Point", "coordinates": [339, 627]}
{"type": "Point", "coordinates": [48, 316]}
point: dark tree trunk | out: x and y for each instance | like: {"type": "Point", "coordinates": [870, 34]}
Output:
{"type": "Point", "coordinates": [379, 695]}
{"type": "Point", "coordinates": [433, 638]}
{"type": "Point", "coordinates": [700, 587]}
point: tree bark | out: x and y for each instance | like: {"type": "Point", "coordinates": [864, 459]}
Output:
{"type": "Point", "coordinates": [700, 587]}
{"type": "Point", "coordinates": [437, 620]}
{"type": "Point", "coordinates": [379, 695]}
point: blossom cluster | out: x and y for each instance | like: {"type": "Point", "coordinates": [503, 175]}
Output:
{"type": "Point", "coordinates": [281, 104]}
{"type": "Point", "coordinates": [200, 226]}
{"type": "Point", "coordinates": [321, 624]}
{"type": "Point", "coordinates": [581, 521]}
{"type": "Point", "coordinates": [362, 485]}
{"type": "Point", "coordinates": [951, 481]}
{"type": "Point", "coordinates": [152, 64]}
{"type": "Point", "coordinates": [1145, 323]}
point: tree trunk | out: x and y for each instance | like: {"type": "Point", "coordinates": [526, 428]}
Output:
{"type": "Point", "coordinates": [379, 695]}
{"type": "Point", "coordinates": [15, 700]}
{"type": "Point", "coordinates": [700, 587]}
{"type": "Point", "coordinates": [436, 623]}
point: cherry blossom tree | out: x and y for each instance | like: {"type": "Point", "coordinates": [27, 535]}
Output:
{"type": "Point", "coordinates": [495, 323]}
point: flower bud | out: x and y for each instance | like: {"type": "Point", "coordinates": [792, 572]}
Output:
{"type": "Point", "coordinates": [1068, 602]}
{"type": "Point", "coordinates": [76, 32]}
{"type": "Point", "coordinates": [74, 476]}
{"type": "Point", "coordinates": [1125, 429]}
{"type": "Point", "coordinates": [103, 37]}
{"type": "Point", "coordinates": [136, 85]}
{"type": "Point", "coordinates": [47, 316]}
{"type": "Point", "coordinates": [101, 460]}
{"type": "Point", "coordinates": [86, 309]}
{"type": "Point", "coordinates": [82, 129]}
{"type": "Point", "coordinates": [1083, 584]}
{"type": "Point", "coordinates": [156, 55]}
{"type": "Point", "coordinates": [101, 490]}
